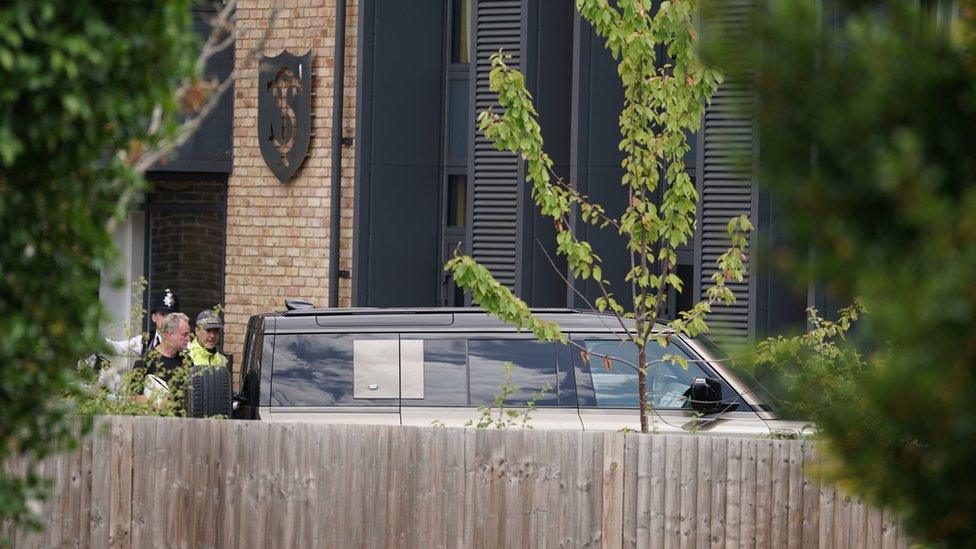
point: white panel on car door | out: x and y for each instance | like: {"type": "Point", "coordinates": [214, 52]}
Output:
{"type": "Point", "coordinates": [411, 368]}
{"type": "Point", "coordinates": [376, 368]}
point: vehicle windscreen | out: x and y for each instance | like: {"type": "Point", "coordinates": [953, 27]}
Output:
{"type": "Point", "coordinates": [759, 384]}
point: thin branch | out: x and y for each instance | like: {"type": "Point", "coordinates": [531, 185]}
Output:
{"type": "Point", "coordinates": [583, 199]}
{"type": "Point", "coordinates": [584, 298]}
{"type": "Point", "coordinates": [191, 125]}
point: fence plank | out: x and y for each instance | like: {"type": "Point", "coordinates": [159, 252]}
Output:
{"type": "Point", "coordinates": [735, 472]}
{"type": "Point", "coordinates": [794, 507]}
{"type": "Point", "coordinates": [101, 473]}
{"type": "Point", "coordinates": [828, 501]}
{"type": "Point", "coordinates": [590, 517]}
{"type": "Point", "coordinates": [702, 517]}
{"type": "Point", "coordinates": [740, 527]}
{"type": "Point", "coordinates": [613, 489]}
{"type": "Point", "coordinates": [120, 489]}
{"type": "Point", "coordinates": [143, 480]}
{"type": "Point", "coordinates": [672, 491]}
{"type": "Point", "coordinates": [873, 521]}
{"type": "Point", "coordinates": [252, 516]}
{"type": "Point", "coordinates": [811, 498]}
{"type": "Point", "coordinates": [306, 451]}
{"type": "Point", "coordinates": [687, 491]}
{"type": "Point", "coordinates": [214, 489]}
{"type": "Point", "coordinates": [285, 501]}
{"type": "Point", "coordinates": [889, 529]}
{"type": "Point", "coordinates": [232, 437]}
{"type": "Point", "coordinates": [764, 492]}
{"type": "Point", "coordinates": [842, 519]}
{"type": "Point", "coordinates": [631, 444]}
{"type": "Point", "coordinates": [780, 487]}
{"type": "Point", "coordinates": [59, 505]}
{"type": "Point", "coordinates": [472, 480]}
{"type": "Point", "coordinates": [72, 524]}
{"type": "Point", "coordinates": [654, 503]}
{"type": "Point", "coordinates": [720, 465]}
{"type": "Point", "coordinates": [329, 463]}
{"type": "Point", "coordinates": [84, 508]}
{"type": "Point", "coordinates": [554, 514]}
{"type": "Point", "coordinates": [570, 471]}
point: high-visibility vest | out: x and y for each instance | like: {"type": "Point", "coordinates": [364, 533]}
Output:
{"type": "Point", "coordinates": [202, 357]}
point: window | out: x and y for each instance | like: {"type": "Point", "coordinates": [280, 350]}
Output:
{"type": "Point", "coordinates": [533, 371]}
{"type": "Point", "coordinates": [457, 122]}
{"type": "Point", "coordinates": [457, 200]}
{"type": "Point", "coordinates": [458, 127]}
{"type": "Point", "coordinates": [617, 387]}
{"type": "Point", "coordinates": [460, 31]}
{"type": "Point", "coordinates": [445, 373]}
{"type": "Point", "coordinates": [317, 370]}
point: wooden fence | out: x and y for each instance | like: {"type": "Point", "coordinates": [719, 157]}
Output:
{"type": "Point", "coordinates": [148, 482]}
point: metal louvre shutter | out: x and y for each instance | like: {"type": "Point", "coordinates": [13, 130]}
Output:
{"type": "Point", "coordinates": [726, 187]}
{"type": "Point", "coordinates": [494, 219]}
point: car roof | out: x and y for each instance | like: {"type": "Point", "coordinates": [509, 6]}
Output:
{"type": "Point", "coordinates": [435, 319]}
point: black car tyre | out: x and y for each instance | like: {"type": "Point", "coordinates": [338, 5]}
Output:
{"type": "Point", "coordinates": [219, 400]}
{"type": "Point", "coordinates": [198, 387]}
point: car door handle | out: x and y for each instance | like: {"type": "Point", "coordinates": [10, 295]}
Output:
{"type": "Point", "coordinates": [372, 387]}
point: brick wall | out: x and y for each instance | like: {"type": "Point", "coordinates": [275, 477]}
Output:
{"type": "Point", "coordinates": [187, 247]}
{"type": "Point", "coordinates": [278, 234]}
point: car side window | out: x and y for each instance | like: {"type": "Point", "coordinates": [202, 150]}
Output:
{"type": "Point", "coordinates": [612, 368]}
{"type": "Point", "coordinates": [533, 371]}
{"type": "Point", "coordinates": [317, 370]}
{"type": "Point", "coordinates": [445, 372]}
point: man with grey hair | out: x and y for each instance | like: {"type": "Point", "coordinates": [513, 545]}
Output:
{"type": "Point", "coordinates": [170, 355]}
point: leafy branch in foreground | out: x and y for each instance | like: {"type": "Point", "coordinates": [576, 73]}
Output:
{"type": "Point", "coordinates": [663, 103]}
{"type": "Point", "coordinates": [94, 93]}
{"type": "Point", "coordinates": [814, 374]}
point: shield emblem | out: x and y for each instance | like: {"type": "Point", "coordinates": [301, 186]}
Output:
{"type": "Point", "coordinates": [285, 111]}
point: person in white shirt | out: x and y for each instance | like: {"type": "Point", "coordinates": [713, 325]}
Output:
{"type": "Point", "coordinates": [162, 304]}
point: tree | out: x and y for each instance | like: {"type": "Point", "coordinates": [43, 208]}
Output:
{"type": "Point", "coordinates": [663, 102]}
{"type": "Point", "coordinates": [94, 93]}
{"type": "Point", "coordinates": [865, 122]}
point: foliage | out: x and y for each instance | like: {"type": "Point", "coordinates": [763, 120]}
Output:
{"type": "Point", "coordinates": [813, 375]}
{"type": "Point", "coordinates": [91, 398]}
{"type": "Point", "coordinates": [865, 126]}
{"type": "Point", "coordinates": [663, 102]}
{"type": "Point", "coordinates": [88, 86]}
{"type": "Point", "coordinates": [494, 415]}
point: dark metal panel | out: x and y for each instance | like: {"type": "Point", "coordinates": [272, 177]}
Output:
{"type": "Point", "coordinates": [407, 80]}
{"type": "Point", "coordinates": [364, 114]}
{"type": "Point", "coordinates": [547, 39]}
{"type": "Point", "coordinates": [496, 175]}
{"type": "Point", "coordinates": [403, 233]}
{"type": "Point", "coordinates": [726, 184]}
{"type": "Point", "coordinates": [397, 202]}
{"type": "Point", "coordinates": [596, 159]}
{"type": "Point", "coordinates": [210, 148]}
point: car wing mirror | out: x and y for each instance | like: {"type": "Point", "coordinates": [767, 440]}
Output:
{"type": "Point", "coordinates": [705, 395]}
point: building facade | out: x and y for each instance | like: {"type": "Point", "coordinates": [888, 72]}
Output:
{"type": "Point", "coordinates": [417, 181]}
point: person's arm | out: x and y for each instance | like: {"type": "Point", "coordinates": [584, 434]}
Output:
{"type": "Point", "coordinates": [125, 347]}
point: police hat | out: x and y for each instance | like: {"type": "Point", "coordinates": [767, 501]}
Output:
{"type": "Point", "coordinates": [207, 319]}
{"type": "Point", "coordinates": [164, 302]}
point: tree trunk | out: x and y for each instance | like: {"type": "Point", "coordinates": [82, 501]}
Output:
{"type": "Point", "coordinates": [642, 386]}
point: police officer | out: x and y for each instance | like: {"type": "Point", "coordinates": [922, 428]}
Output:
{"type": "Point", "coordinates": [162, 304]}
{"type": "Point", "coordinates": [203, 349]}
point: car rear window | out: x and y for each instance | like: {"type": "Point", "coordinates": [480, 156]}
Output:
{"type": "Point", "coordinates": [317, 370]}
